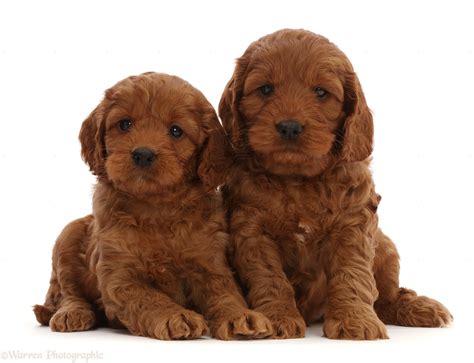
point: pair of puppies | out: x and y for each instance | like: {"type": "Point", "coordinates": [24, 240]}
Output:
{"type": "Point", "coordinates": [299, 197]}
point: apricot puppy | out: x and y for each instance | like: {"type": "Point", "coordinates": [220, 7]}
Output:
{"type": "Point", "coordinates": [301, 199]}
{"type": "Point", "coordinates": [155, 245]}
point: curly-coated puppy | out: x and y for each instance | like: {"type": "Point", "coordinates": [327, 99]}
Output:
{"type": "Point", "coordinates": [155, 245]}
{"type": "Point", "coordinates": [301, 199]}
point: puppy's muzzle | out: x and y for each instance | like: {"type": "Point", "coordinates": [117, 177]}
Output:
{"type": "Point", "coordinates": [143, 157]}
{"type": "Point", "coordinates": [289, 130]}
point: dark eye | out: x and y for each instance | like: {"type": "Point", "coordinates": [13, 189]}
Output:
{"type": "Point", "coordinates": [320, 92]}
{"type": "Point", "coordinates": [266, 90]}
{"type": "Point", "coordinates": [125, 124]}
{"type": "Point", "coordinates": [176, 131]}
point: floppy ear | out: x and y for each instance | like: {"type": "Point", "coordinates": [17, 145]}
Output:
{"type": "Point", "coordinates": [229, 114]}
{"type": "Point", "coordinates": [230, 99]}
{"type": "Point", "coordinates": [216, 155]}
{"type": "Point", "coordinates": [92, 141]}
{"type": "Point", "coordinates": [358, 127]}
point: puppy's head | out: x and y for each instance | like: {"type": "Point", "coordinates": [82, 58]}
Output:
{"type": "Point", "coordinates": [296, 105]}
{"type": "Point", "coordinates": [152, 132]}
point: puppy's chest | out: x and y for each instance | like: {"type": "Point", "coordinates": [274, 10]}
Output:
{"type": "Point", "coordinates": [170, 240]}
{"type": "Point", "coordinates": [164, 255]}
{"type": "Point", "coordinates": [299, 222]}
{"type": "Point", "coordinates": [163, 243]}
{"type": "Point", "coordinates": [300, 214]}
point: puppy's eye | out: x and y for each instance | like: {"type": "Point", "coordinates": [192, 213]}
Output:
{"type": "Point", "coordinates": [125, 124]}
{"type": "Point", "coordinates": [266, 90]}
{"type": "Point", "coordinates": [176, 131]}
{"type": "Point", "coordinates": [320, 92]}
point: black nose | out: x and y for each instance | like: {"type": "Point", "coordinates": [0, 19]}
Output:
{"type": "Point", "coordinates": [289, 130]}
{"type": "Point", "coordinates": [143, 157]}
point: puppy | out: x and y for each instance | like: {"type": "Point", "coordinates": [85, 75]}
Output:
{"type": "Point", "coordinates": [301, 199]}
{"type": "Point", "coordinates": [155, 245]}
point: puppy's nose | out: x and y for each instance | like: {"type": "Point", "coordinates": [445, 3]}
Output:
{"type": "Point", "coordinates": [143, 157]}
{"type": "Point", "coordinates": [289, 130]}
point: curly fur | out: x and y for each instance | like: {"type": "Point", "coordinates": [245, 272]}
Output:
{"type": "Point", "coordinates": [151, 258]}
{"type": "Point", "coordinates": [303, 222]}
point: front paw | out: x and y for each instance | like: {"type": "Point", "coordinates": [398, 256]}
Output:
{"type": "Point", "coordinates": [185, 324]}
{"type": "Point", "coordinates": [286, 320]}
{"type": "Point", "coordinates": [354, 323]}
{"type": "Point", "coordinates": [248, 324]}
{"type": "Point", "coordinates": [421, 311]}
{"type": "Point", "coordinates": [69, 319]}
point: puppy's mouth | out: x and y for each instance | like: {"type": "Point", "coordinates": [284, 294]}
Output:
{"type": "Point", "coordinates": [145, 173]}
{"type": "Point", "coordinates": [292, 157]}
{"type": "Point", "coordinates": [289, 148]}
{"type": "Point", "coordinates": [145, 177]}
{"type": "Point", "coordinates": [287, 155]}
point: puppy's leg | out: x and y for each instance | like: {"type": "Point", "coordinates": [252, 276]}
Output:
{"type": "Point", "coordinates": [260, 269]}
{"type": "Point", "coordinates": [351, 284]}
{"type": "Point", "coordinates": [216, 293]}
{"type": "Point", "coordinates": [399, 306]}
{"type": "Point", "coordinates": [44, 312]}
{"type": "Point", "coordinates": [141, 308]}
{"type": "Point", "coordinates": [66, 309]}
{"type": "Point", "coordinates": [74, 314]}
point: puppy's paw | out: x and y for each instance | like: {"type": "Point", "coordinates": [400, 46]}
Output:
{"type": "Point", "coordinates": [421, 311]}
{"type": "Point", "coordinates": [246, 325]}
{"type": "Point", "coordinates": [43, 314]}
{"type": "Point", "coordinates": [185, 324]}
{"type": "Point", "coordinates": [355, 323]}
{"type": "Point", "coordinates": [286, 327]}
{"type": "Point", "coordinates": [287, 322]}
{"type": "Point", "coordinates": [69, 319]}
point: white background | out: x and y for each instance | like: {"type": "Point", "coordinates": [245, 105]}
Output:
{"type": "Point", "coordinates": [415, 61]}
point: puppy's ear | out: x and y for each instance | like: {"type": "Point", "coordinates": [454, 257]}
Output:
{"type": "Point", "coordinates": [92, 141]}
{"type": "Point", "coordinates": [215, 158]}
{"type": "Point", "coordinates": [229, 103]}
{"type": "Point", "coordinates": [216, 155]}
{"type": "Point", "coordinates": [229, 114]}
{"type": "Point", "coordinates": [358, 128]}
